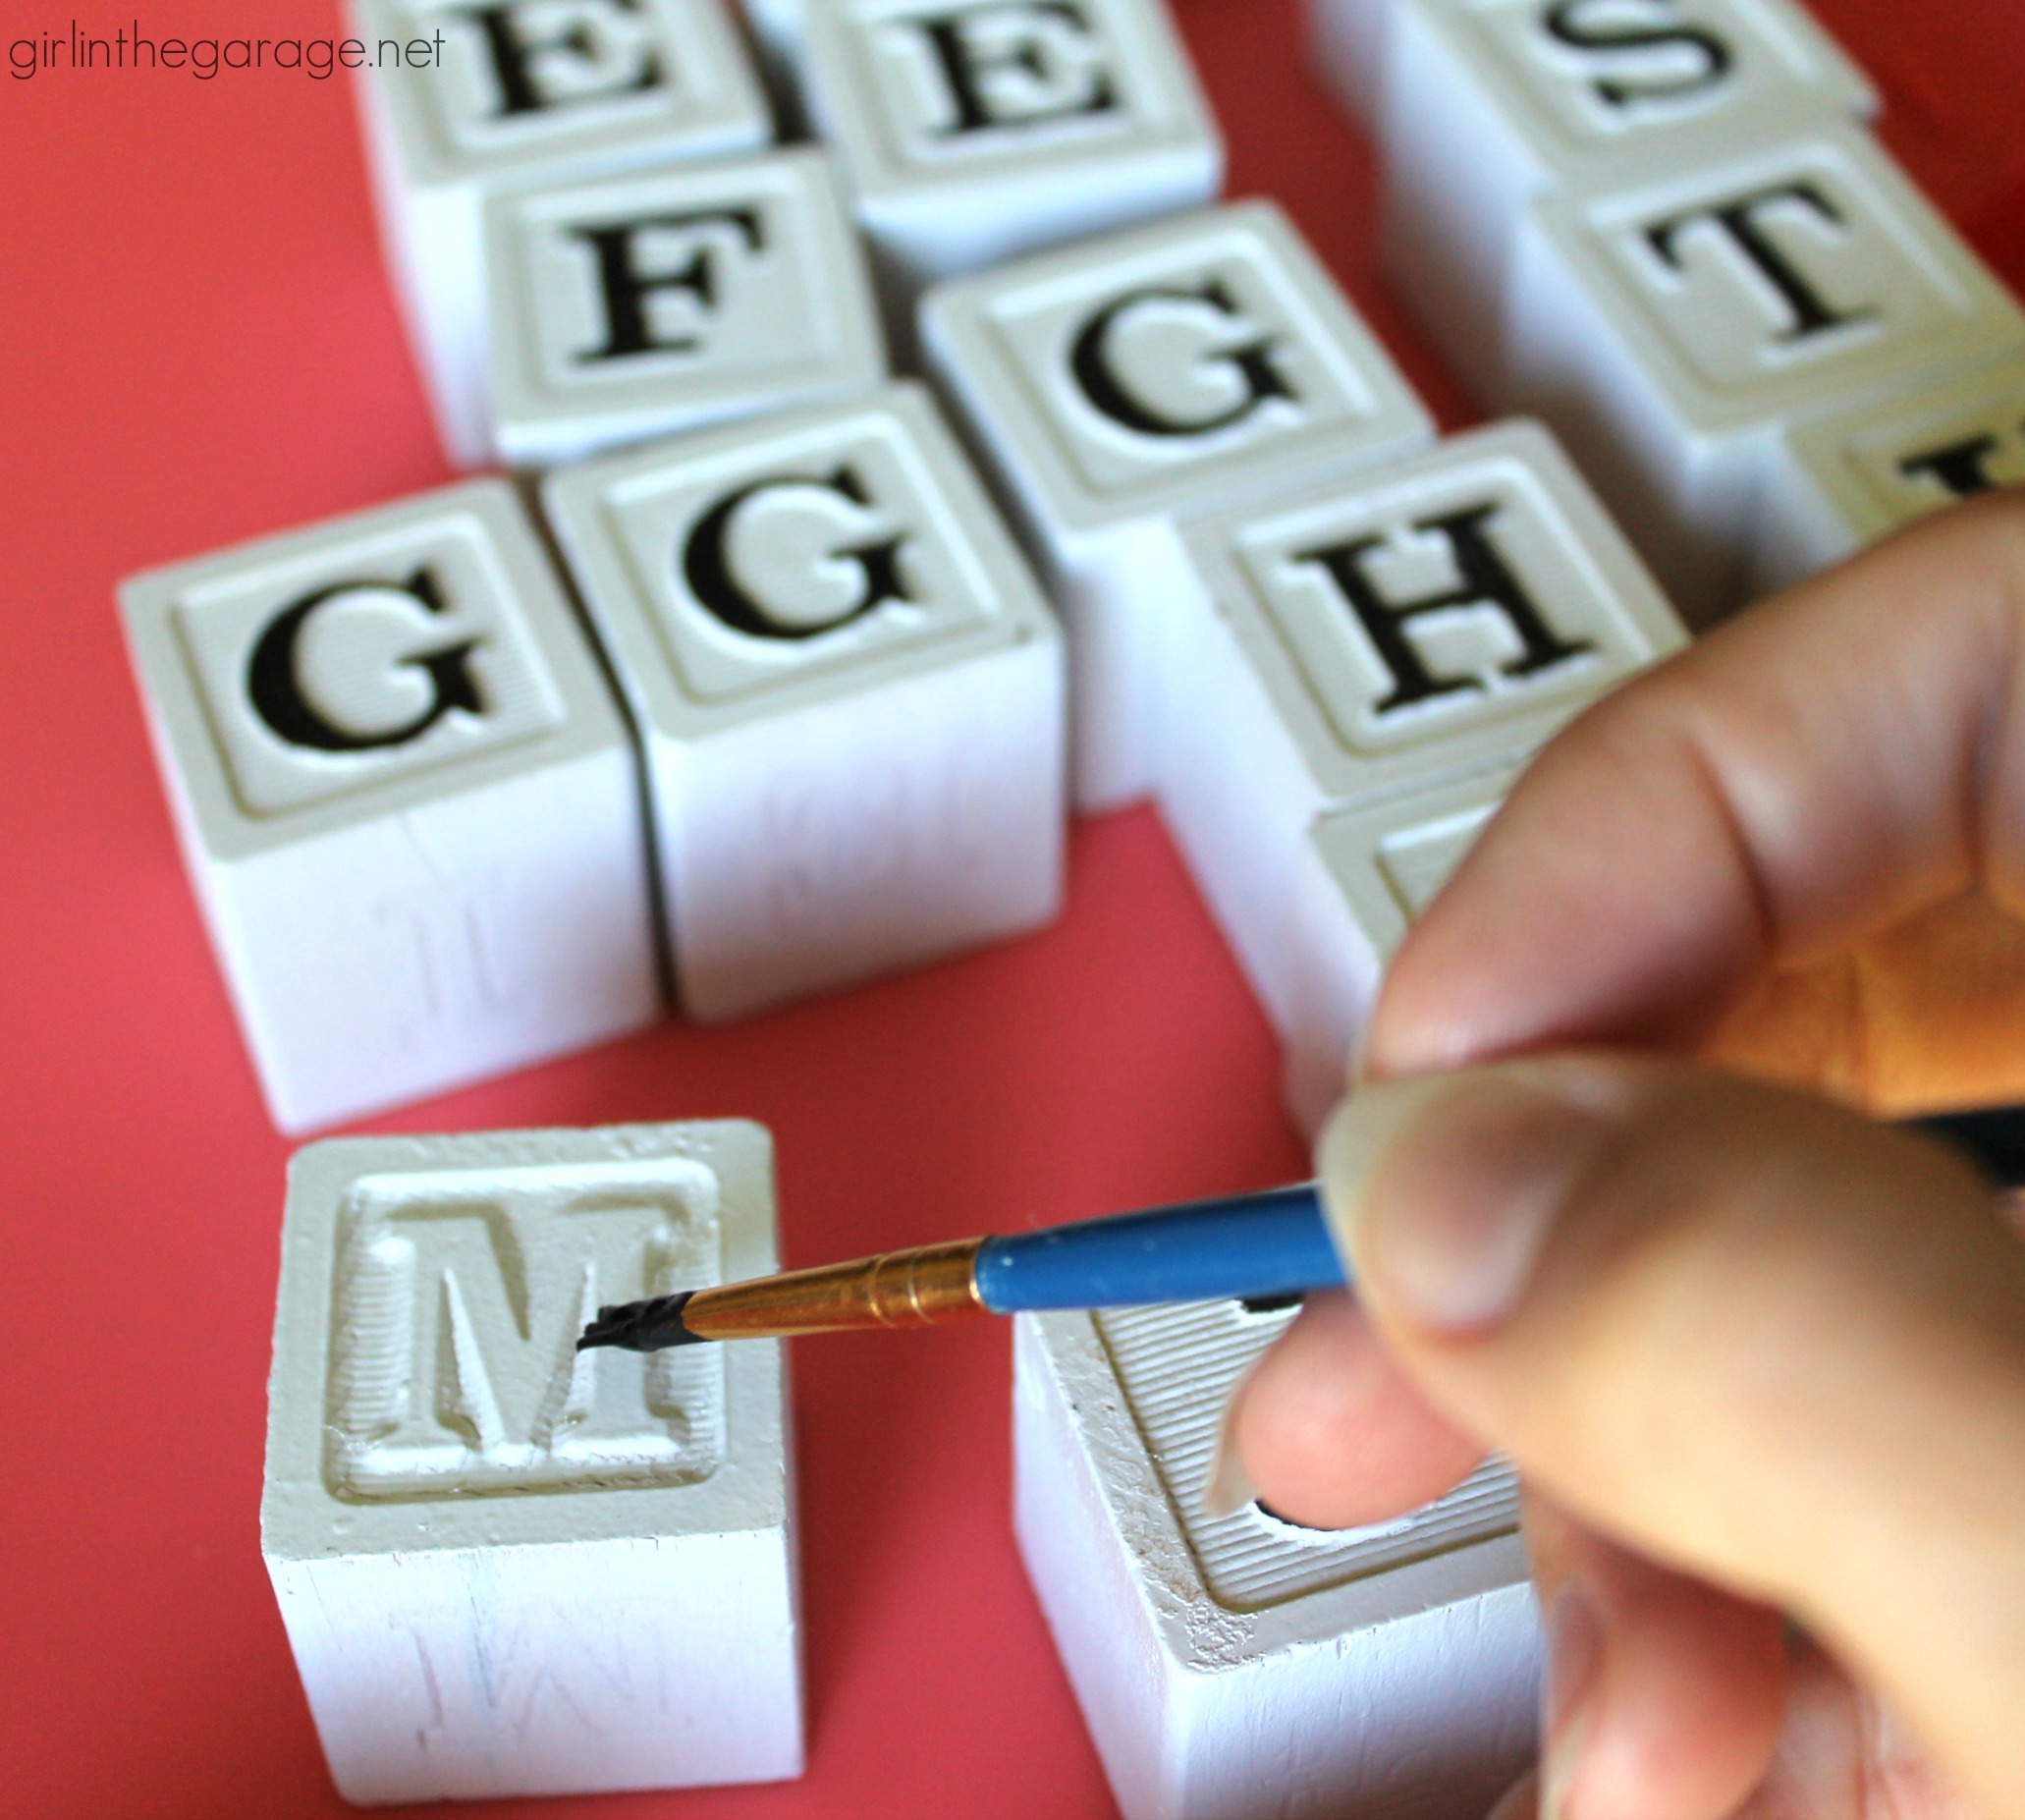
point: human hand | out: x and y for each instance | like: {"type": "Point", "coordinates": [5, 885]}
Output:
{"type": "Point", "coordinates": [1755, 1356]}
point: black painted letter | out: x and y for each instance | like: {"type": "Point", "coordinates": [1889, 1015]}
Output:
{"type": "Point", "coordinates": [626, 289]}
{"type": "Point", "coordinates": [516, 56]}
{"type": "Point", "coordinates": [1565, 22]}
{"type": "Point", "coordinates": [1962, 467]}
{"type": "Point", "coordinates": [1090, 360]}
{"type": "Point", "coordinates": [1810, 312]}
{"type": "Point", "coordinates": [969, 64]}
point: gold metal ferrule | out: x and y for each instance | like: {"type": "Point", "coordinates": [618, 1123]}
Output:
{"type": "Point", "coordinates": [925, 1287]}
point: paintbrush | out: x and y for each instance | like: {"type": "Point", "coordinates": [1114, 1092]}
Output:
{"type": "Point", "coordinates": [1269, 1248]}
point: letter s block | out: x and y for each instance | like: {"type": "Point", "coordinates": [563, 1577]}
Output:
{"type": "Point", "coordinates": [1116, 387]}
{"type": "Point", "coordinates": [1243, 1666]}
{"type": "Point", "coordinates": [849, 688]}
{"type": "Point", "coordinates": [405, 797]}
{"type": "Point", "coordinates": [520, 94]}
{"type": "Point", "coordinates": [506, 1566]}
{"type": "Point", "coordinates": [971, 131]}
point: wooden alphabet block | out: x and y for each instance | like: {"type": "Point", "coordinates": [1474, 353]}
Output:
{"type": "Point", "coordinates": [405, 797]}
{"type": "Point", "coordinates": [850, 691]}
{"type": "Point", "coordinates": [1844, 480]}
{"type": "Point", "coordinates": [1361, 879]}
{"type": "Point", "coordinates": [518, 93]}
{"type": "Point", "coordinates": [506, 1566]}
{"type": "Point", "coordinates": [971, 131]}
{"type": "Point", "coordinates": [1492, 103]}
{"type": "Point", "coordinates": [642, 306]}
{"type": "Point", "coordinates": [1230, 1668]}
{"type": "Point", "coordinates": [1115, 387]}
{"type": "Point", "coordinates": [1669, 326]}
{"type": "Point", "coordinates": [1355, 642]}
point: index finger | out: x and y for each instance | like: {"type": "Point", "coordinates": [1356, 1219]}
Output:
{"type": "Point", "coordinates": [1807, 777]}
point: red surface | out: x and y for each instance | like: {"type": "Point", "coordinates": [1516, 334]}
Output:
{"type": "Point", "coordinates": [196, 346]}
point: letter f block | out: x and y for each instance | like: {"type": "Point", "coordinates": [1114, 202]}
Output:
{"type": "Point", "coordinates": [406, 800]}
{"type": "Point", "coordinates": [507, 1567]}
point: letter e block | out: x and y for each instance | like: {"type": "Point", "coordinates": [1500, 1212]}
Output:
{"type": "Point", "coordinates": [1118, 386]}
{"type": "Point", "coordinates": [1243, 1664]}
{"type": "Point", "coordinates": [507, 1567]}
{"type": "Point", "coordinates": [521, 93]}
{"type": "Point", "coordinates": [648, 305]}
{"type": "Point", "coordinates": [1668, 327]}
{"type": "Point", "coordinates": [973, 130]}
{"type": "Point", "coordinates": [1492, 103]}
{"type": "Point", "coordinates": [405, 797]}
{"type": "Point", "coordinates": [850, 691]}
{"type": "Point", "coordinates": [1353, 643]}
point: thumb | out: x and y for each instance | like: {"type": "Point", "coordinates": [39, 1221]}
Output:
{"type": "Point", "coordinates": [1741, 1331]}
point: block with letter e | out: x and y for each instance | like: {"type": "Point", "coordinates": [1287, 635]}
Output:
{"type": "Point", "coordinates": [1669, 326]}
{"type": "Point", "coordinates": [1356, 643]}
{"type": "Point", "coordinates": [506, 1566]}
{"type": "Point", "coordinates": [405, 797]}
{"type": "Point", "coordinates": [849, 688]}
{"type": "Point", "coordinates": [1115, 387]}
{"type": "Point", "coordinates": [971, 131]}
{"type": "Point", "coordinates": [642, 306]}
{"type": "Point", "coordinates": [516, 93]}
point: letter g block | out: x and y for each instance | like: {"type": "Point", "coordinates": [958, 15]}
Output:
{"type": "Point", "coordinates": [406, 798]}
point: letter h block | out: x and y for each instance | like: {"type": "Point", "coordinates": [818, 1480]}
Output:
{"type": "Point", "coordinates": [1236, 1666]}
{"type": "Point", "coordinates": [507, 1567]}
{"type": "Point", "coordinates": [1352, 645]}
{"type": "Point", "coordinates": [405, 797]}
{"type": "Point", "coordinates": [1115, 388]}
{"type": "Point", "coordinates": [517, 94]}
{"type": "Point", "coordinates": [642, 306]}
{"type": "Point", "coordinates": [1669, 326]}
{"type": "Point", "coordinates": [1490, 105]}
{"type": "Point", "coordinates": [851, 693]}
{"type": "Point", "coordinates": [971, 131]}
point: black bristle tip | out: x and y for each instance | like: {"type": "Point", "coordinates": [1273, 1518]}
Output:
{"type": "Point", "coordinates": [642, 1325]}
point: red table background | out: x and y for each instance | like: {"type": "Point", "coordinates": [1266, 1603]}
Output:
{"type": "Point", "coordinates": [196, 346]}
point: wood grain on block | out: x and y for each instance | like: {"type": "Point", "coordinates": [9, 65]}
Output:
{"type": "Point", "coordinates": [519, 94]}
{"type": "Point", "coordinates": [1243, 1667]}
{"type": "Point", "coordinates": [972, 130]}
{"type": "Point", "coordinates": [642, 306]}
{"type": "Point", "coordinates": [1361, 879]}
{"type": "Point", "coordinates": [405, 797]}
{"type": "Point", "coordinates": [850, 691]}
{"type": "Point", "coordinates": [1358, 641]}
{"type": "Point", "coordinates": [1846, 480]}
{"type": "Point", "coordinates": [1669, 326]}
{"type": "Point", "coordinates": [508, 1567]}
{"type": "Point", "coordinates": [1490, 103]}
{"type": "Point", "coordinates": [1112, 388]}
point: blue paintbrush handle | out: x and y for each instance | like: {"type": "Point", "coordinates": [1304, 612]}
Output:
{"type": "Point", "coordinates": [1254, 1247]}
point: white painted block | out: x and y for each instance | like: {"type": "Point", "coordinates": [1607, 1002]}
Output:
{"type": "Point", "coordinates": [972, 130]}
{"type": "Point", "coordinates": [1668, 327]}
{"type": "Point", "coordinates": [508, 1567]}
{"type": "Point", "coordinates": [1490, 103]}
{"type": "Point", "coordinates": [1245, 1667]}
{"type": "Point", "coordinates": [1347, 44]}
{"type": "Point", "coordinates": [519, 94]}
{"type": "Point", "coordinates": [779, 28]}
{"type": "Point", "coordinates": [850, 691]}
{"type": "Point", "coordinates": [1844, 480]}
{"type": "Point", "coordinates": [1116, 386]}
{"type": "Point", "coordinates": [643, 305]}
{"type": "Point", "coordinates": [405, 797]}
{"type": "Point", "coordinates": [1358, 641]}
{"type": "Point", "coordinates": [1362, 878]}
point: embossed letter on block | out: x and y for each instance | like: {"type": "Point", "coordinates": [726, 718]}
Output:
{"type": "Point", "coordinates": [1359, 641]}
{"type": "Point", "coordinates": [849, 687]}
{"type": "Point", "coordinates": [506, 1566]}
{"type": "Point", "coordinates": [973, 130]}
{"type": "Point", "coordinates": [1243, 1666]}
{"type": "Point", "coordinates": [1116, 386]}
{"type": "Point", "coordinates": [406, 798]}
{"type": "Point", "coordinates": [520, 92]}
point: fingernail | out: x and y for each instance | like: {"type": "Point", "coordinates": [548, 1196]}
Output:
{"type": "Point", "coordinates": [1574, 1655]}
{"type": "Point", "coordinates": [1229, 1487]}
{"type": "Point", "coordinates": [1444, 1189]}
